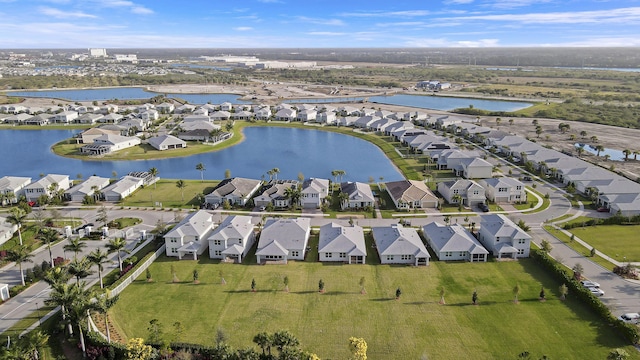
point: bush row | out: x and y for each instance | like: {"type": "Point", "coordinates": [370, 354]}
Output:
{"type": "Point", "coordinates": [614, 220]}
{"type": "Point", "coordinates": [629, 331]}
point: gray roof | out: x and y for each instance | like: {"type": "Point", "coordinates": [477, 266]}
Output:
{"type": "Point", "coordinates": [398, 240]}
{"type": "Point", "coordinates": [86, 187]}
{"type": "Point", "coordinates": [10, 183]}
{"type": "Point", "coordinates": [240, 187]}
{"type": "Point", "coordinates": [233, 227]}
{"type": "Point", "coordinates": [123, 185]}
{"type": "Point", "coordinates": [291, 234]}
{"type": "Point", "coordinates": [195, 224]}
{"type": "Point", "coordinates": [499, 225]}
{"type": "Point", "coordinates": [336, 238]}
{"type": "Point", "coordinates": [158, 141]}
{"type": "Point", "coordinates": [452, 238]}
{"type": "Point", "coordinates": [357, 191]}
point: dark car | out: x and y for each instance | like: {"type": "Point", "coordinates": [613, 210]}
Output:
{"type": "Point", "coordinates": [527, 178]}
{"type": "Point", "coordinates": [483, 207]}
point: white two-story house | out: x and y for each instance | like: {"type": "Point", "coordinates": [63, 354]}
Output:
{"type": "Point", "coordinates": [232, 239]}
{"type": "Point", "coordinates": [503, 237]}
{"type": "Point", "coordinates": [189, 237]}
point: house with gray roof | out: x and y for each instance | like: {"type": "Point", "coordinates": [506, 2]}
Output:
{"type": "Point", "coordinates": [43, 186]}
{"type": "Point", "coordinates": [502, 237]}
{"type": "Point", "coordinates": [107, 143]}
{"type": "Point", "coordinates": [88, 118]}
{"type": "Point", "coordinates": [167, 142]}
{"type": "Point", "coordinates": [283, 239]}
{"type": "Point", "coordinates": [232, 239]}
{"type": "Point", "coordinates": [111, 118]}
{"type": "Point", "coordinates": [411, 194]}
{"type": "Point", "coordinates": [469, 191]}
{"type": "Point", "coordinates": [286, 115]}
{"type": "Point", "coordinates": [65, 117]}
{"type": "Point", "coordinates": [344, 244]}
{"type": "Point", "coordinates": [237, 191]}
{"type": "Point", "coordinates": [17, 118]}
{"type": "Point", "coordinates": [89, 187]}
{"type": "Point", "coordinates": [313, 193]}
{"type": "Point", "coordinates": [474, 168]}
{"type": "Point", "coordinates": [360, 195]}
{"type": "Point", "coordinates": [504, 189]}
{"type": "Point", "coordinates": [122, 188]}
{"type": "Point", "coordinates": [397, 244]}
{"type": "Point", "coordinates": [189, 237]}
{"type": "Point", "coordinates": [39, 120]}
{"type": "Point", "coordinates": [275, 193]}
{"type": "Point", "coordinates": [454, 242]}
{"type": "Point", "coordinates": [7, 230]}
{"type": "Point", "coordinates": [11, 187]}
{"type": "Point", "coordinates": [220, 115]}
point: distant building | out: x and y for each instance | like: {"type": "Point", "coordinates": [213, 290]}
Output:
{"type": "Point", "coordinates": [132, 58]}
{"type": "Point", "coordinates": [98, 52]}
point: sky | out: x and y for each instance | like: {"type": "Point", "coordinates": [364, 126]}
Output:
{"type": "Point", "coordinates": [317, 23]}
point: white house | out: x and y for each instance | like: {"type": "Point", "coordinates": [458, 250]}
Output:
{"type": "Point", "coordinates": [167, 142]}
{"type": "Point", "coordinates": [7, 230]}
{"type": "Point", "coordinates": [108, 143]}
{"type": "Point", "coordinates": [454, 243]}
{"type": "Point", "coordinates": [344, 244]}
{"type": "Point", "coordinates": [359, 195]}
{"type": "Point", "coordinates": [470, 192]}
{"type": "Point", "coordinates": [65, 117]}
{"type": "Point", "coordinates": [89, 187]}
{"type": "Point", "coordinates": [313, 193]}
{"type": "Point", "coordinates": [286, 115]}
{"type": "Point", "coordinates": [122, 188]}
{"type": "Point", "coordinates": [237, 191]}
{"type": "Point", "coordinates": [232, 239]}
{"type": "Point", "coordinates": [11, 187]}
{"type": "Point", "coordinates": [44, 186]}
{"type": "Point", "coordinates": [399, 245]}
{"type": "Point", "coordinates": [189, 237]}
{"type": "Point", "coordinates": [503, 237]}
{"type": "Point", "coordinates": [275, 193]}
{"type": "Point", "coordinates": [283, 240]}
{"type": "Point", "coordinates": [504, 190]}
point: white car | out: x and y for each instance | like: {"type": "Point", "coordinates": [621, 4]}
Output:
{"type": "Point", "coordinates": [595, 291]}
{"type": "Point", "coordinates": [587, 283]}
{"type": "Point", "coordinates": [632, 318]}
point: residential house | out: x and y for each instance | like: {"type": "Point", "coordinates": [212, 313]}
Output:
{"type": "Point", "coordinates": [150, 115]}
{"type": "Point", "coordinates": [167, 142]}
{"type": "Point", "coordinates": [232, 239]}
{"type": "Point", "coordinates": [111, 118]}
{"type": "Point", "coordinates": [89, 135]}
{"type": "Point", "coordinates": [88, 118]}
{"type": "Point", "coordinates": [454, 242]}
{"type": "Point", "coordinates": [263, 113]}
{"type": "Point", "coordinates": [184, 109]}
{"type": "Point", "coordinates": [65, 117]}
{"type": "Point", "coordinates": [410, 194]}
{"type": "Point", "coordinates": [286, 115]}
{"type": "Point", "coordinates": [226, 106]}
{"type": "Point", "coordinates": [242, 115]}
{"type": "Point", "coordinates": [283, 240]}
{"type": "Point", "coordinates": [17, 118]}
{"type": "Point", "coordinates": [38, 120]}
{"type": "Point", "coordinates": [467, 192]}
{"type": "Point", "coordinates": [108, 143]}
{"type": "Point", "coordinates": [502, 237]}
{"type": "Point", "coordinates": [397, 244]}
{"type": "Point", "coordinates": [359, 194]}
{"type": "Point", "coordinates": [220, 115]}
{"type": "Point", "coordinates": [190, 236]}
{"type": "Point", "coordinates": [327, 117]}
{"type": "Point", "coordinates": [344, 244]}
{"type": "Point", "coordinates": [165, 108]}
{"type": "Point", "coordinates": [476, 168]}
{"type": "Point", "coordinates": [133, 126]}
{"type": "Point", "coordinates": [89, 187]}
{"type": "Point", "coordinates": [346, 121]}
{"type": "Point", "coordinates": [314, 191]}
{"type": "Point", "coordinates": [504, 190]}
{"type": "Point", "coordinates": [307, 115]}
{"type": "Point", "coordinates": [275, 193]}
{"type": "Point", "coordinates": [237, 191]}
{"type": "Point", "coordinates": [48, 185]}
{"type": "Point", "coordinates": [7, 230]}
{"type": "Point", "coordinates": [11, 187]}
{"type": "Point", "coordinates": [122, 188]}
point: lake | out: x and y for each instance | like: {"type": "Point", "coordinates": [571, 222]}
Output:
{"type": "Point", "coordinates": [314, 153]}
{"type": "Point", "coordinates": [442, 103]}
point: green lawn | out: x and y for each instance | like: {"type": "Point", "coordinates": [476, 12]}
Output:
{"type": "Point", "coordinates": [617, 241]}
{"type": "Point", "coordinates": [579, 248]}
{"type": "Point", "coordinates": [412, 327]}
{"type": "Point", "coordinates": [166, 192]}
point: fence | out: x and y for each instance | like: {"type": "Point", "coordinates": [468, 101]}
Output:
{"type": "Point", "coordinates": [132, 276]}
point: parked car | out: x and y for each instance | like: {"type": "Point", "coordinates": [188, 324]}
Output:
{"type": "Point", "coordinates": [632, 318]}
{"type": "Point", "coordinates": [263, 208]}
{"type": "Point", "coordinates": [596, 291]}
{"type": "Point", "coordinates": [587, 283]}
{"type": "Point", "coordinates": [527, 178]}
{"type": "Point", "coordinates": [483, 207]}
{"type": "Point", "coordinates": [603, 209]}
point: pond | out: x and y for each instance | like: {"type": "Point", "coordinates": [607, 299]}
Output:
{"type": "Point", "coordinates": [314, 153]}
{"type": "Point", "coordinates": [615, 155]}
{"type": "Point", "coordinates": [445, 103]}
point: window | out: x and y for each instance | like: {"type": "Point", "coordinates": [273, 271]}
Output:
{"type": "Point", "coordinates": [328, 255]}
{"type": "Point", "coordinates": [522, 241]}
{"type": "Point", "coordinates": [217, 242]}
{"type": "Point", "coordinates": [295, 253]}
{"type": "Point", "coordinates": [476, 192]}
{"type": "Point", "coordinates": [502, 189]}
{"type": "Point", "coordinates": [343, 255]}
{"type": "Point", "coordinates": [463, 253]}
{"type": "Point", "coordinates": [448, 254]}
{"type": "Point", "coordinates": [389, 257]}
{"type": "Point", "coordinates": [218, 253]}
{"type": "Point", "coordinates": [520, 251]}
{"type": "Point", "coordinates": [518, 187]}
{"type": "Point", "coordinates": [173, 240]}
{"type": "Point", "coordinates": [405, 257]}
{"type": "Point", "coordinates": [455, 191]}
{"type": "Point", "coordinates": [239, 241]}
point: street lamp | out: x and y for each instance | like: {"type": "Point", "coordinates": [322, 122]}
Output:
{"type": "Point", "coordinates": [38, 314]}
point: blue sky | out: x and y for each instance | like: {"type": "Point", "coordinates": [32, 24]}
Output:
{"type": "Point", "coordinates": [316, 23]}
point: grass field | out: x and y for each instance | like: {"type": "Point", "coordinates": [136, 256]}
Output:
{"type": "Point", "coordinates": [579, 248]}
{"type": "Point", "coordinates": [409, 328]}
{"type": "Point", "coordinates": [617, 241]}
{"type": "Point", "coordinates": [169, 194]}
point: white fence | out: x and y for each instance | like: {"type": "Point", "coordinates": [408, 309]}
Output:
{"type": "Point", "coordinates": [133, 275]}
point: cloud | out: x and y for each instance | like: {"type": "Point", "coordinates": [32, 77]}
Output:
{"type": "Point", "coordinates": [326, 33]}
{"type": "Point", "coordinates": [404, 13]}
{"type": "Point", "coordinates": [130, 5]}
{"type": "Point", "coordinates": [621, 15]}
{"type": "Point", "coordinates": [57, 13]}
{"type": "Point", "coordinates": [443, 42]}
{"type": "Point", "coordinates": [330, 22]}
{"type": "Point", "coordinates": [457, 2]}
{"type": "Point", "coordinates": [511, 4]}
{"type": "Point", "coordinates": [141, 10]}
{"type": "Point", "coordinates": [243, 28]}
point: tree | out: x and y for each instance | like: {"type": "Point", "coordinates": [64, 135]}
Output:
{"type": "Point", "coordinates": [178, 330]}
{"type": "Point", "coordinates": [37, 341]}
{"type": "Point", "coordinates": [263, 340]}
{"type": "Point", "coordinates": [510, 122]}
{"type": "Point", "coordinates": [284, 339]}
{"type": "Point", "coordinates": [155, 330]}
{"type": "Point", "coordinates": [293, 193]}
{"type": "Point", "coordinates": [546, 246]}
{"type": "Point", "coordinates": [275, 172]}
{"type": "Point", "coordinates": [20, 254]}
{"type": "Point", "coordinates": [516, 292]}
{"type": "Point", "coordinates": [102, 305]}
{"type": "Point", "coordinates": [563, 290]}
{"type": "Point", "coordinates": [154, 173]}
{"type": "Point", "coordinates": [300, 177]}
{"type": "Point", "coordinates": [200, 167]}
{"type": "Point", "coordinates": [577, 271]}
{"type": "Point", "coordinates": [362, 283]}
{"type": "Point", "coordinates": [542, 294]}
{"type": "Point", "coordinates": [285, 281]}
{"type": "Point", "coordinates": [227, 174]}
{"type": "Point", "coordinates": [80, 268]}
{"type": "Point", "coordinates": [522, 225]}
{"type": "Point", "coordinates": [447, 219]}
{"type": "Point", "coordinates": [56, 275]}
{"type": "Point", "coordinates": [626, 153]}
{"type": "Point", "coordinates": [457, 199]}
{"type": "Point", "coordinates": [16, 217]}
{"type": "Point", "coordinates": [196, 276]}
{"type": "Point", "coordinates": [599, 149]}
{"type": "Point", "coordinates": [498, 121]}
{"type": "Point", "coordinates": [594, 139]}
{"type": "Point", "coordinates": [358, 347]}
{"type": "Point", "coordinates": [474, 297]}
{"type": "Point", "coordinates": [538, 131]}
{"type": "Point", "coordinates": [50, 236]}
{"type": "Point", "coordinates": [618, 354]}
{"type": "Point", "coordinates": [137, 350]}
{"type": "Point", "coordinates": [102, 216]}
{"type": "Point", "coordinates": [321, 286]}
{"type": "Point", "coordinates": [180, 184]}
{"type": "Point", "coordinates": [75, 246]}
{"type": "Point", "coordinates": [343, 199]}
{"type": "Point", "coordinates": [253, 285]}
{"type": "Point", "coordinates": [99, 257]}
{"type": "Point", "coordinates": [62, 294]}
{"type": "Point", "coordinates": [398, 293]}
{"type": "Point", "coordinates": [583, 134]}
{"type": "Point", "coordinates": [592, 252]}
{"type": "Point", "coordinates": [78, 309]}
{"type": "Point", "coordinates": [118, 245]}
{"type": "Point", "coordinates": [442, 292]}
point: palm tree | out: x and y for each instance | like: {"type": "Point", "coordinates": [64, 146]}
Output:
{"type": "Point", "coordinates": [37, 341]}
{"type": "Point", "coordinates": [117, 245]}
{"type": "Point", "coordinates": [80, 268]}
{"type": "Point", "coordinates": [75, 245]}
{"type": "Point", "coordinates": [79, 309]}
{"type": "Point", "coordinates": [293, 194]}
{"type": "Point", "coordinates": [341, 173]}
{"type": "Point", "coordinates": [50, 236]}
{"type": "Point", "coordinates": [583, 134]}
{"type": "Point", "coordinates": [343, 198]}
{"type": "Point", "coordinates": [264, 341]}
{"type": "Point", "coordinates": [102, 305]}
{"type": "Point", "coordinates": [276, 171]}
{"type": "Point", "coordinates": [200, 167]}
{"type": "Point", "coordinates": [20, 254]}
{"type": "Point", "coordinates": [635, 154]}
{"type": "Point", "coordinates": [56, 275]}
{"type": "Point", "coordinates": [180, 184]}
{"type": "Point", "coordinates": [62, 294]}
{"type": "Point", "coordinates": [154, 172]}
{"type": "Point", "coordinates": [457, 198]}
{"type": "Point", "coordinates": [626, 153]}
{"type": "Point", "coordinates": [99, 257]}
{"type": "Point", "coordinates": [599, 148]}
{"type": "Point", "coordinates": [16, 218]}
